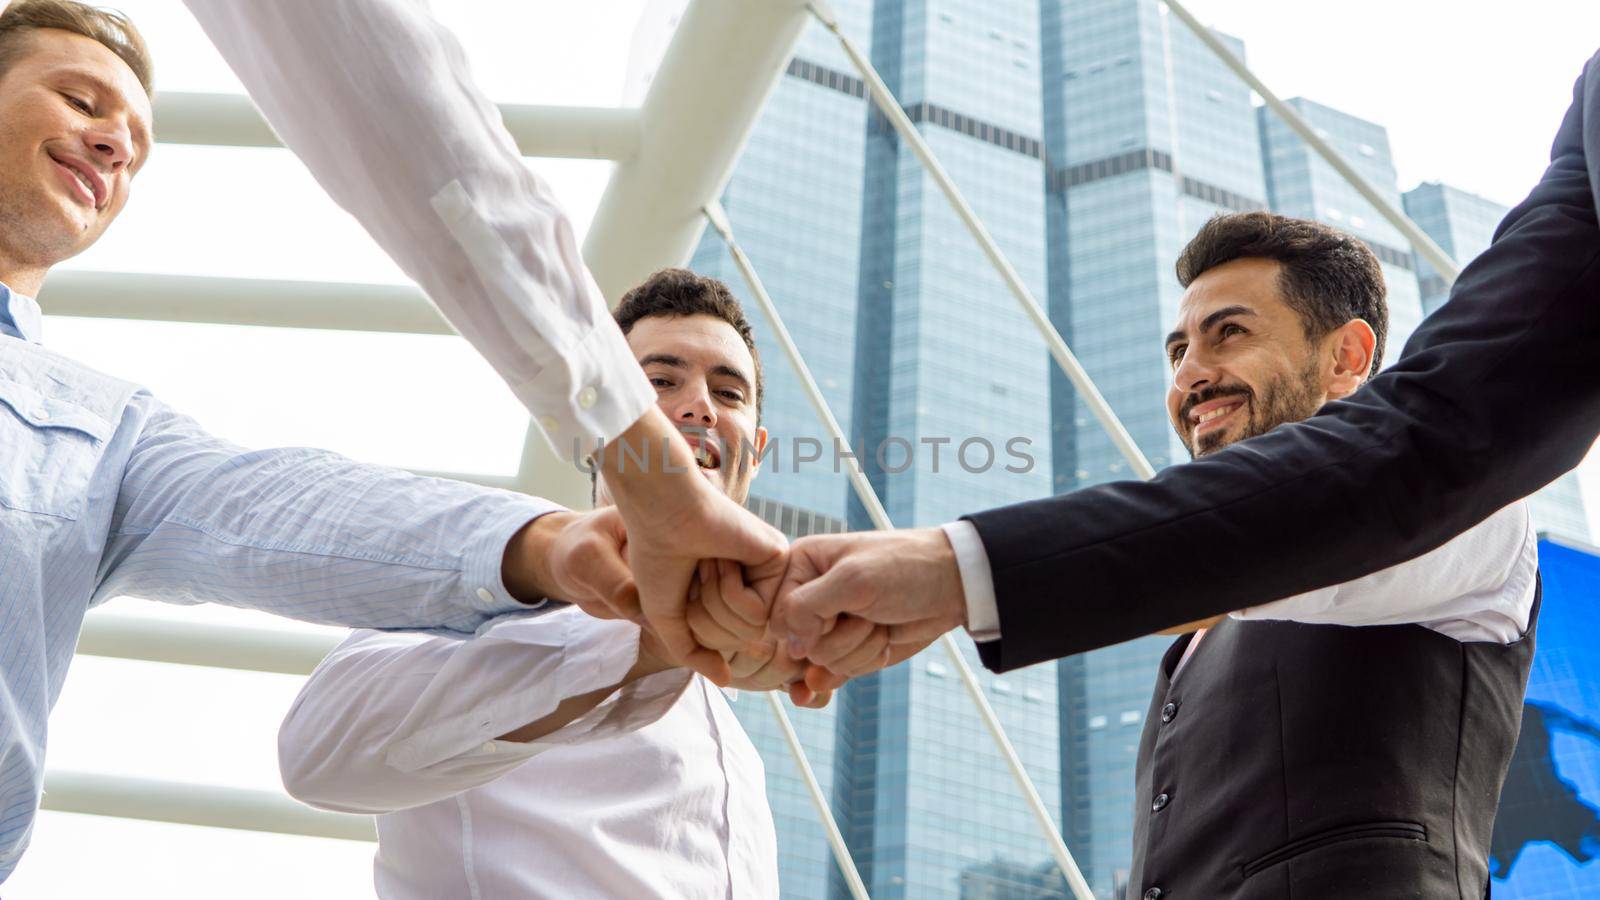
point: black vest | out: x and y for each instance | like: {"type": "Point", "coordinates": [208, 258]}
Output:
{"type": "Point", "coordinates": [1311, 761]}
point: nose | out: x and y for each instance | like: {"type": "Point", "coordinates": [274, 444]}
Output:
{"type": "Point", "coordinates": [1194, 372]}
{"type": "Point", "coordinates": [109, 144]}
{"type": "Point", "coordinates": [695, 406]}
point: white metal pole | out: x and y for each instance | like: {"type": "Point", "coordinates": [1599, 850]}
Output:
{"type": "Point", "coordinates": [1085, 386]}
{"type": "Point", "coordinates": [1432, 252]}
{"type": "Point", "coordinates": [880, 517]}
{"type": "Point", "coordinates": [197, 804]}
{"type": "Point", "coordinates": [841, 852]}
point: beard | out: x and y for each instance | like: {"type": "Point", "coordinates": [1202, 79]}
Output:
{"type": "Point", "coordinates": [1286, 398]}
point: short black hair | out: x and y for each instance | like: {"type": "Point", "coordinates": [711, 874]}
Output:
{"type": "Point", "coordinates": [680, 292]}
{"type": "Point", "coordinates": [1328, 277]}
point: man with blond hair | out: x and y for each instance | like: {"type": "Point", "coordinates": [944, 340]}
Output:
{"type": "Point", "coordinates": [106, 491]}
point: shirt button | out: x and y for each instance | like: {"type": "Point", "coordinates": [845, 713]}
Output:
{"type": "Point", "coordinates": [488, 746]}
{"type": "Point", "coordinates": [1169, 712]}
{"type": "Point", "coordinates": [485, 595]}
{"type": "Point", "coordinates": [549, 424]}
{"type": "Point", "coordinates": [587, 397]}
{"type": "Point", "coordinates": [1160, 803]}
{"type": "Point", "coordinates": [1153, 894]}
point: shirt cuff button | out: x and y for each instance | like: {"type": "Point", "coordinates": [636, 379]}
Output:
{"type": "Point", "coordinates": [587, 397]}
{"type": "Point", "coordinates": [485, 595]}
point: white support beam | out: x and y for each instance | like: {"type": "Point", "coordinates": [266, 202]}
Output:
{"type": "Point", "coordinates": [242, 301]}
{"type": "Point", "coordinates": [721, 66]}
{"type": "Point", "coordinates": [197, 804]}
{"type": "Point", "coordinates": [198, 644]}
{"type": "Point", "coordinates": [570, 132]}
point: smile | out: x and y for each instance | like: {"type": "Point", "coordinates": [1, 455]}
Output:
{"type": "Point", "coordinates": [1214, 416]}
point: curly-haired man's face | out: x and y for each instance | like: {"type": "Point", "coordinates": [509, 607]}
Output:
{"type": "Point", "coordinates": [705, 381]}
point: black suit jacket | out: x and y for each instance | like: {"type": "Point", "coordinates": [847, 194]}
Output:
{"type": "Point", "coordinates": [1497, 394]}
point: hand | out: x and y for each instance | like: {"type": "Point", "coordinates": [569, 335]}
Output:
{"type": "Point", "coordinates": [759, 667]}
{"type": "Point", "coordinates": [674, 518]}
{"type": "Point", "coordinates": [907, 580]}
{"type": "Point", "coordinates": [724, 613]}
{"type": "Point", "coordinates": [576, 557]}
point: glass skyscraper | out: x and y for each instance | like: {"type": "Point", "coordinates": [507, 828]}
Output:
{"type": "Point", "coordinates": [1463, 224]}
{"type": "Point", "coordinates": [1300, 183]}
{"type": "Point", "coordinates": [1093, 137]}
{"type": "Point", "coordinates": [1149, 135]}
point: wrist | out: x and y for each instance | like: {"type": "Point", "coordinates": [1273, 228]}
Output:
{"type": "Point", "coordinates": [525, 568]}
{"type": "Point", "coordinates": [648, 663]}
{"type": "Point", "coordinates": [650, 458]}
{"type": "Point", "coordinates": [950, 587]}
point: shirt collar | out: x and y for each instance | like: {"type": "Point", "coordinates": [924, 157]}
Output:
{"type": "Point", "coordinates": [19, 315]}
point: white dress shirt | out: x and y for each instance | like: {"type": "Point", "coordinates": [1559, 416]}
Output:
{"type": "Point", "coordinates": [657, 792]}
{"type": "Point", "coordinates": [377, 99]}
{"type": "Point", "coordinates": [1478, 586]}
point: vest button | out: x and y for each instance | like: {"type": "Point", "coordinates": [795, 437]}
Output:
{"type": "Point", "coordinates": [1153, 894]}
{"type": "Point", "coordinates": [1160, 803]}
{"type": "Point", "coordinates": [1169, 712]}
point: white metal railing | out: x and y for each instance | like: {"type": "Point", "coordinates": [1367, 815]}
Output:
{"type": "Point", "coordinates": [568, 132]}
{"type": "Point", "coordinates": [212, 806]}
{"type": "Point", "coordinates": [880, 519]}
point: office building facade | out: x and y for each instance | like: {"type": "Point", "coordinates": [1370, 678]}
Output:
{"type": "Point", "coordinates": [1093, 137]}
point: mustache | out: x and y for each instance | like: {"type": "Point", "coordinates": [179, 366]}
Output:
{"type": "Point", "coordinates": [1209, 393]}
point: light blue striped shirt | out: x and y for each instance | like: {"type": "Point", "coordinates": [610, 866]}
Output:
{"type": "Point", "coordinates": [105, 491]}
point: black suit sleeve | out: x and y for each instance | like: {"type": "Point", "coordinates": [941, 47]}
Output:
{"type": "Point", "coordinates": [1497, 394]}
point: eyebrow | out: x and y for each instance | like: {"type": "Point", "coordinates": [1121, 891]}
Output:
{"type": "Point", "coordinates": [141, 134]}
{"type": "Point", "coordinates": [1209, 321]}
{"type": "Point", "coordinates": [676, 362]}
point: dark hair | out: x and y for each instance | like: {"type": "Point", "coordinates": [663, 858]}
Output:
{"type": "Point", "coordinates": [680, 292]}
{"type": "Point", "coordinates": [111, 28]}
{"type": "Point", "coordinates": [1328, 277]}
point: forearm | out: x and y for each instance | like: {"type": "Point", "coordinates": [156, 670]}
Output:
{"type": "Point", "coordinates": [342, 84]}
{"type": "Point", "coordinates": [574, 708]}
{"type": "Point", "coordinates": [307, 534]}
{"type": "Point", "coordinates": [391, 721]}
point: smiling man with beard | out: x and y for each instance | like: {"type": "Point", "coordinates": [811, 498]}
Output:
{"type": "Point", "coordinates": [1351, 741]}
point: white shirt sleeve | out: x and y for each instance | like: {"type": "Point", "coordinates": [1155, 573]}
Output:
{"type": "Point", "coordinates": [377, 99]}
{"type": "Point", "coordinates": [977, 580]}
{"type": "Point", "coordinates": [391, 721]}
{"type": "Point", "coordinates": [1479, 586]}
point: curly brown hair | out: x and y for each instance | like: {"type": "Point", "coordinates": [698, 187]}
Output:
{"type": "Point", "coordinates": [680, 292]}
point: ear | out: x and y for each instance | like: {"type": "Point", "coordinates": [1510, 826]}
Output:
{"type": "Point", "coordinates": [760, 445]}
{"type": "Point", "coordinates": [1352, 345]}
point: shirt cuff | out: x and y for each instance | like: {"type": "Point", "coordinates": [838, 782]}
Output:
{"type": "Point", "coordinates": [594, 394]}
{"type": "Point", "coordinates": [484, 564]}
{"type": "Point", "coordinates": [977, 581]}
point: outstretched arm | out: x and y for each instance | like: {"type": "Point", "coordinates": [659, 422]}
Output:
{"type": "Point", "coordinates": [388, 722]}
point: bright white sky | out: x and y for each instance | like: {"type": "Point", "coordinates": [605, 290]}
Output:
{"type": "Point", "coordinates": [1471, 95]}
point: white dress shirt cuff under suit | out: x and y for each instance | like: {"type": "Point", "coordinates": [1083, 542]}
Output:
{"type": "Point", "coordinates": [1478, 586]}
